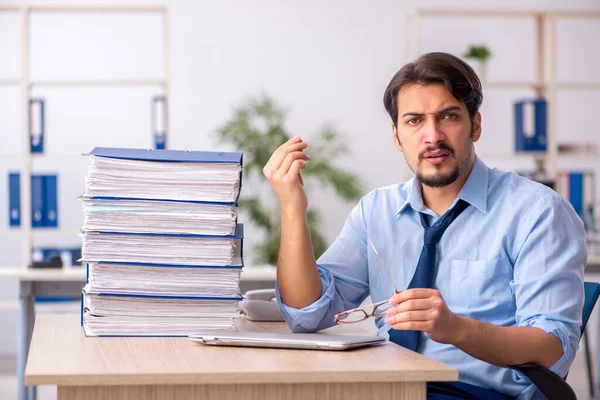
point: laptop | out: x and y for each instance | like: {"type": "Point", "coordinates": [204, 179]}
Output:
{"type": "Point", "coordinates": [310, 341]}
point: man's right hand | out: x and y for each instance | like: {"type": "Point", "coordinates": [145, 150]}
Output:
{"type": "Point", "coordinates": [283, 173]}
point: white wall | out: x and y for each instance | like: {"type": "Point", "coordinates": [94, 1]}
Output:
{"type": "Point", "coordinates": [324, 61]}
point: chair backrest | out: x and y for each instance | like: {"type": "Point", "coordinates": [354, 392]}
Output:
{"type": "Point", "coordinates": [592, 291]}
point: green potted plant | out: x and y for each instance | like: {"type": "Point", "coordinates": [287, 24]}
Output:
{"type": "Point", "coordinates": [257, 128]}
{"type": "Point", "coordinates": [478, 55]}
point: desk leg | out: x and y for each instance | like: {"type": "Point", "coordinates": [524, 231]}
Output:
{"type": "Point", "coordinates": [32, 392]}
{"type": "Point", "coordinates": [597, 382]}
{"type": "Point", "coordinates": [26, 320]}
{"type": "Point", "coordinates": [295, 391]}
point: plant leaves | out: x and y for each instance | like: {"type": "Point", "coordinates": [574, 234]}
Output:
{"type": "Point", "coordinates": [257, 128]}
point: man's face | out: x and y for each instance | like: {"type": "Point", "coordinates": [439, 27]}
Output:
{"type": "Point", "coordinates": [435, 134]}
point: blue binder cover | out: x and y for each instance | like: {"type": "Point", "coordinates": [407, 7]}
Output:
{"type": "Point", "coordinates": [576, 191]}
{"type": "Point", "coordinates": [169, 155]}
{"type": "Point", "coordinates": [138, 264]}
{"type": "Point", "coordinates": [159, 122]}
{"type": "Point", "coordinates": [216, 203]}
{"type": "Point", "coordinates": [37, 201]}
{"type": "Point", "coordinates": [239, 234]}
{"type": "Point", "coordinates": [50, 214]}
{"type": "Point", "coordinates": [14, 199]}
{"type": "Point", "coordinates": [150, 296]}
{"type": "Point", "coordinates": [36, 125]}
{"type": "Point", "coordinates": [182, 235]}
{"type": "Point", "coordinates": [530, 136]}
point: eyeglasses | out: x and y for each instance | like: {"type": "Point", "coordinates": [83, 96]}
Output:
{"type": "Point", "coordinates": [360, 314]}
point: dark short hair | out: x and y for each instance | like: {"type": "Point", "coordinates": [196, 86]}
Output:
{"type": "Point", "coordinates": [436, 68]}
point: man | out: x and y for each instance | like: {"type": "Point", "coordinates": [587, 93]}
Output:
{"type": "Point", "coordinates": [495, 280]}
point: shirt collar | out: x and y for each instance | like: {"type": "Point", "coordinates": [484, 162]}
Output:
{"type": "Point", "coordinates": [475, 189]}
{"type": "Point", "coordinates": [471, 192]}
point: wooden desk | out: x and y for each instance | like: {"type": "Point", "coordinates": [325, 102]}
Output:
{"type": "Point", "coordinates": [67, 282]}
{"type": "Point", "coordinates": [63, 282]}
{"type": "Point", "coordinates": [91, 368]}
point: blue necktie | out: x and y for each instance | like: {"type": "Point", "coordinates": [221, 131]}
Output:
{"type": "Point", "coordinates": [423, 277]}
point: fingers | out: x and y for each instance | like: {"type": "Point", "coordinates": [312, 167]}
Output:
{"type": "Point", "coordinates": [294, 172]}
{"type": "Point", "coordinates": [295, 144]}
{"type": "Point", "coordinates": [411, 311]}
{"type": "Point", "coordinates": [417, 309]}
{"type": "Point", "coordinates": [422, 326]}
{"type": "Point", "coordinates": [412, 294]}
{"type": "Point", "coordinates": [290, 159]}
{"type": "Point", "coordinates": [410, 305]}
{"type": "Point", "coordinates": [408, 316]}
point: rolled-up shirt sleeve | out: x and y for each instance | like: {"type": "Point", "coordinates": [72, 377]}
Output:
{"type": "Point", "coordinates": [344, 278]}
{"type": "Point", "coordinates": [548, 276]}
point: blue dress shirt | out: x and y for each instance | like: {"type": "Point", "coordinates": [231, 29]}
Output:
{"type": "Point", "coordinates": [514, 257]}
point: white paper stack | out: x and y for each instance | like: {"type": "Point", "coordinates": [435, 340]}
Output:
{"type": "Point", "coordinates": [131, 178]}
{"type": "Point", "coordinates": [180, 281]}
{"type": "Point", "coordinates": [150, 216]}
{"type": "Point", "coordinates": [108, 315]}
{"type": "Point", "coordinates": [158, 249]}
{"type": "Point", "coordinates": [161, 242]}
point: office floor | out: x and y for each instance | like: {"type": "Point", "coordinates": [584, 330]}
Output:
{"type": "Point", "coordinates": [8, 381]}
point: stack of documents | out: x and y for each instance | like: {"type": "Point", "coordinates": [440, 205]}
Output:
{"type": "Point", "coordinates": [178, 175]}
{"type": "Point", "coordinates": [149, 216]}
{"type": "Point", "coordinates": [107, 315]}
{"type": "Point", "coordinates": [161, 242]}
{"type": "Point", "coordinates": [158, 249]}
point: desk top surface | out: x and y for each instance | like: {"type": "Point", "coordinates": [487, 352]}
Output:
{"type": "Point", "coordinates": [77, 274]}
{"type": "Point", "coordinates": [61, 355]}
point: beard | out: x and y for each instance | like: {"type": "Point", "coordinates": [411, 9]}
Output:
{"type": "Point", "coordinates": [441, 179]}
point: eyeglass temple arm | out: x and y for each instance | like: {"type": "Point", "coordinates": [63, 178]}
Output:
{"type": "Point", "coordinates": [384, 267]}
{"type": "Point", "coordinates": [363, 307]}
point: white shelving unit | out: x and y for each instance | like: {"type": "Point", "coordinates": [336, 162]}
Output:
{"type": "Point", "coordinates": [545, 83]}
{"type": "Point", "coordinates": [26, 84]}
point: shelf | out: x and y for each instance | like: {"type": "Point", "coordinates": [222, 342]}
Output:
{"type": "Point", "coordinates": [85, 8]}
{"type": "Point", "coordinates": [580, 156]}
{"type": "Point", "coordinates": [541, 85]}
{"type": "Point", "coordinates": [579, 85]}
{"type": "Point", "coordinates": [527, 156]}
{"type": "Point", "coordinates": [60, 8]}
{"type": "Point", "coordinates": [9, 305]}
{"type": "Point", "coordinates": [63, 231]}
{"type": "Point", "coordinates": [97, 82]}
{"type": "Point", "coordinates": [44, 155]}
{"type": "Point", "coordinates": [444, 12]}
{"type": "Point", "coordinates": [10, 82]}
{"type": "Point", "coordinates": [509, 156]}
{"type": "Point", "coordinates": [511, 84]}
{"type": "Point", "coordinates": [85, 82]}
{"type": "Point", "coordinates": [37, 232]}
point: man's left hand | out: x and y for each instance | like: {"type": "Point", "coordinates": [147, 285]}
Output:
{"type": "Point", "coordinates": [423, 310]}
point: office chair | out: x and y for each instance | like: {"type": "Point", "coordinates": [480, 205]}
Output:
{"type": "Point", "coordinates": [552, 385]}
